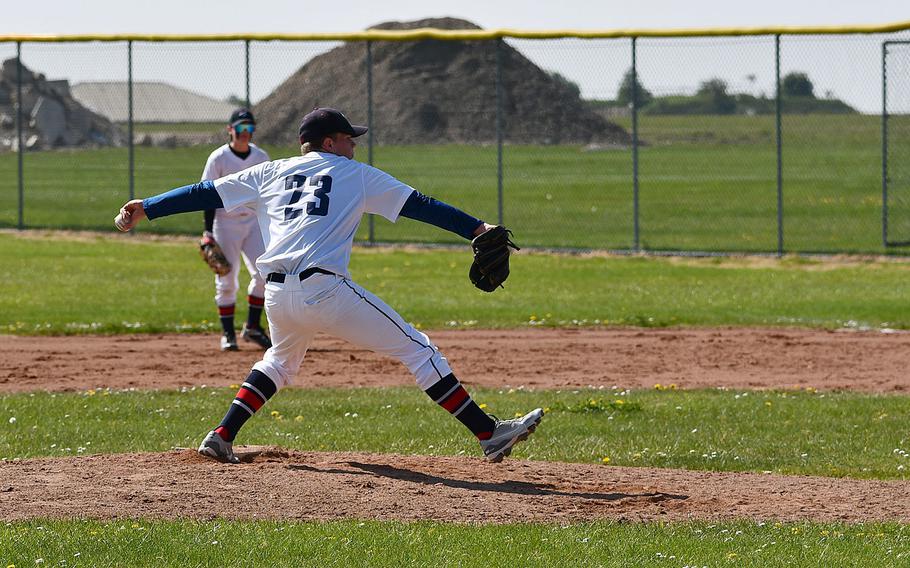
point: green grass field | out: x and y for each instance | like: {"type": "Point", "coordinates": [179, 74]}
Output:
{"type": "Point", "coordinates": [125, 284]}
{"type": "Point", "coordinates": [370, 543]}
{"type": "Point", "coordinates": [706, 183]}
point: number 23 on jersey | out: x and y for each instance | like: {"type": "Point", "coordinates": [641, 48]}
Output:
{"type": "Point", "coordinates": [318, 186]}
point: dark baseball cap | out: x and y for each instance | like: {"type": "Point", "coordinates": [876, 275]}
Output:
{"type": "Point", "coordinates": [242, 116]}
{"type": "Point", "coordinates": [322, 122]}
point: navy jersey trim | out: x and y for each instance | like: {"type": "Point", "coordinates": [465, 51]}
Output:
{"type": "Point", "coordinates": [195, 197]}
{"type": "Point", "coordinates": [434, 212]}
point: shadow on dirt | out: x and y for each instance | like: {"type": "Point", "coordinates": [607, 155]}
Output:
{"type": "Point", "coordinates": [517, 487]}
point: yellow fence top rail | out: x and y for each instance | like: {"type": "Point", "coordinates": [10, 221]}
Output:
{"type": "Point", "coordinates": [433, 33]}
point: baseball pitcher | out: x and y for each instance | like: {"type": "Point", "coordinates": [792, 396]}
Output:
{"type": "Point", "coordinates": [309, 208]}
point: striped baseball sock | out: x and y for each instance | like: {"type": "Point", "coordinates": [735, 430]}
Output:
{"type": "Point", "coordinates": [226, 313]}
{"type": "Point", "coordinates": [449, 394]}
{"type": "Point", "coordinates": [253, 393]}
{"type": "Point", "coordinates": [254, 317]}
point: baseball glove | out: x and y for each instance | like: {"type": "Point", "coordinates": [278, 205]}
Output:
{"type": "Point", "coordinates": [491, 258]}
{"type": "Point", "coordinates": [213, 255]}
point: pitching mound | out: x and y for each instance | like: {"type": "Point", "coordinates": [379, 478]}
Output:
{"type": "Point", "coordinates": [279, 484]}
{"type": "Point", "coordinates": [539, 358]}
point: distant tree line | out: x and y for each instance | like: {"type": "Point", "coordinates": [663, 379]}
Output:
{"type": "Point", "coordinates": [713, 97]}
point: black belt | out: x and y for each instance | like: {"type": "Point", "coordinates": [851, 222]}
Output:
{"type": "Point", "coordinates": [278, 277]}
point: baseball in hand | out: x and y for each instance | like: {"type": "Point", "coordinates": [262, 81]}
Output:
{"type": "Point", "coordinates": [122, 222]}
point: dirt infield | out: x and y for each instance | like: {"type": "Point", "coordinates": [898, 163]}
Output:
{"type": "Point", "coordinates": [539, 358]}
{"type": "Point", "coordinates": [309, 485]}
{"type": "Point", "coordinates": [303, 485]}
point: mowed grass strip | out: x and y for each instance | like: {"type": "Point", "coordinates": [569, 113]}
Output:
{"type": "Point", "coordinates": [56, 284]}
{"type": "Point", "coordinates": [805, 433]}
{"type": "Point", "coordinates": [373, 543]}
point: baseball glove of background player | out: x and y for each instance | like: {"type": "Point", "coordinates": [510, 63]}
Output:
{"type": "Point", "coordinates": [213, 255]}
{"type": "Point", "coordinates": [491, 258]}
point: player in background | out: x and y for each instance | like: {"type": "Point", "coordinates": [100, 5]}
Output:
{"type": "Point", "coordinates": [309, 208]}
{"type": "Point", "coordinates": [237, 232]}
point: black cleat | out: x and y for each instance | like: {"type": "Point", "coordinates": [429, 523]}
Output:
{"type": "Point", "coordinates": [256, 335]}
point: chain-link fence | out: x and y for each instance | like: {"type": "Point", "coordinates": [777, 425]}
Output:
{"type": "Point", "coordinates": [742, 143]}
{"type": "Point", "coordinates": [896, 142]}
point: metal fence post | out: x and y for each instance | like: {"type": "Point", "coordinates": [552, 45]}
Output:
{"type": "Point", "coordinates": [369, 64]}
{"type": "Point", "coordinates": [20, 147]}
{"type": "Point", "coordinates": [246, 46]}
{"type": "Point", "coordinates": [884, 144]}
{"type": "Point", "coordinates": [780, 155]}
{"type": "Point", "coordinates": [129, 104]}
{"type": "Point", "coordinates": [499, 196]}
{"type": "Point", "coordinates": [635, 219]}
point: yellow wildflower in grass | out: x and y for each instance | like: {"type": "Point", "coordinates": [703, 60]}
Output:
{"type": "Point", "coordinates": [90, 392]}
{"type": "Point", "coordinates": [673, 386]}
{"type": "Point", "coordinates": [619, 402]}
{"type": "Point", "coordinates": [658, 386]}
{"type": "Point", "coordinates": [235, 386]}
{"type": "Point", "coordinates": [518, 415]}
{"type": "Point", "coordinates": [768, 403]}
{"type": "Point", "coordinates": [731, 556]}
{"type": "Point", "coordinates": [533, 317]}
{"type": "Point", "coordinates": [606, 460]}
{"type": "Point", "coordinates": [546, 409]}
{"type": "Point", "coordinates": [298, 418]}
{"type": "Point", "coordinates": [482, 406]}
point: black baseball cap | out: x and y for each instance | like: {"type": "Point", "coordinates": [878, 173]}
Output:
{"type": "Point", "coordinates": [322, 122]}
{"type": "Point", "coordinates": [242, 116]}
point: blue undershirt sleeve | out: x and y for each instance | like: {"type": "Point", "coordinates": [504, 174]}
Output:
{"type": "Point", "coordinates": [195, 197]}
{"type": "Point", "coordinates": [424, 208]}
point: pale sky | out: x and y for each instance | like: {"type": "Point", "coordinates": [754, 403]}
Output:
{"type": "Point", "coordinates": [847, 67]}
{"type": "Point", "coordinates": [211, 16]}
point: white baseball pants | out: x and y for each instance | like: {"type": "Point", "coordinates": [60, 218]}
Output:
{"type": "Point", "coordinates": [238, 237]}
{"type": "Point", "coordinates": [297, 310]}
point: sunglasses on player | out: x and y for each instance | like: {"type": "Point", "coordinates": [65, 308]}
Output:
{"type": "Point", "coordinates": [241, 128]}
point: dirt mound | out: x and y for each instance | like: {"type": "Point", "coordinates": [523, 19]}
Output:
{"type": "Point", "coordinates": [311, 485]}
{"type": "Point", "coordinates": [432, 91]}
{"type": "Point", "coordinates": [53, 118]}
{"type": "Point", "coordinates": [546, 358]}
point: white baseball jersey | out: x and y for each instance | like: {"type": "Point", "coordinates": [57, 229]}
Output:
{"type": "Point", "coordinates": [309, 208]}
{"type": "Point", "coordinates": [222, 161]}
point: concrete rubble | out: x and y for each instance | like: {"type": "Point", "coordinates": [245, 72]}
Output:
{"type": "Point", "coordinates": [53, 118]}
